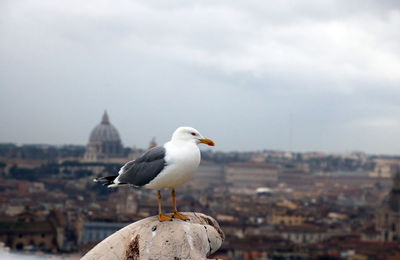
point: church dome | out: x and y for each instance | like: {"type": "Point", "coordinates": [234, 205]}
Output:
{"type": "Point", "coordinates": [104, 142]}
{"type": "Point", "coordinates": [104, 132]}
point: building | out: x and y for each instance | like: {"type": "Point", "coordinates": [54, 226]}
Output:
{"type": "Point", "coordinates": [295, 177]}
{"type": "Point", "coordinates": [383, 169]}
{"type": "Point", "coordinates": [251, 175]}
{"type": "Point", "coordinates": [288, 218]}
{"type": "Point", "coordinates": [388, 216]}
{"type": "Point", "coordinates": [209, 174]}
{"type": "Point", "coordinates": [305, 234]}
{"type": "Point", "coordinates": [30, 231]}
{"type": "Point", "coordinates": [152, 143]}
{"type": "Point", "coordinates": [97, 231]}
{"type": "Point", "coordinates": [104, 142]}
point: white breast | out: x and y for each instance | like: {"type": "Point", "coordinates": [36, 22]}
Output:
{"type": "Point", "coordinates": [182, 159]}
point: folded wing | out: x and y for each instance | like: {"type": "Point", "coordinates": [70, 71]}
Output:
{"type": "Point", "coordinates": [144, 169]}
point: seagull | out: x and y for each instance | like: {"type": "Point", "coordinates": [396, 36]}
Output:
{"type": "Point", "coordinates": [167, 166]}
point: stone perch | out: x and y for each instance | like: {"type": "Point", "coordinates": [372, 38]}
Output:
{"type": "Point", "coordinates": [151, 239]}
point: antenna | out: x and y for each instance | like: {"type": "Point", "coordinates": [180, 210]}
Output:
{"type": "Point", "coordinates": [291, 132]}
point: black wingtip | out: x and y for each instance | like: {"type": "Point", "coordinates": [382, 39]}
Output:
{"type": "Point", "coordinates": [108, 180]}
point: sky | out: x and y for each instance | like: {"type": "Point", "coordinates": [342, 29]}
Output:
{"type": "Point", "coordinates": [251, 75]}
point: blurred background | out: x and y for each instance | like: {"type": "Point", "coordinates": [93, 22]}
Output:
{"type": "Point", "coordinates": [301, 99]}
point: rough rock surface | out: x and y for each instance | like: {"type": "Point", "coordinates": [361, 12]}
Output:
{"type": "Point", "coordinates": [151, 239]}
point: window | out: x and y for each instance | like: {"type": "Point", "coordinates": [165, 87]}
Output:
{"type": "Point", "coordinates": [19, 246]}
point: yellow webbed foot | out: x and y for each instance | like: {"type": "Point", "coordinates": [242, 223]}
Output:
{"type": "Point", "coordinates": [180, 216]}
{"type": "Point", "coordinates": [164, 217]}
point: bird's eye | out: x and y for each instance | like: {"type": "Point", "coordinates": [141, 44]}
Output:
{"type": "Point", "coordinates": [193, 133]}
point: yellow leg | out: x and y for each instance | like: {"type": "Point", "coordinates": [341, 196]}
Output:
{"type": "Point", "coordinates": [161, 217]}
{"type": "Point", "coordinates": [176, 213]}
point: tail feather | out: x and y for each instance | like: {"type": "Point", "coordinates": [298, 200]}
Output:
{"type": "Point", "coordinates": [115, 185]}
{"type": "Point", "coordinates": [108, 180]}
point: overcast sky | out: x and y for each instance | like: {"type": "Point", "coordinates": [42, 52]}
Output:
{"type": "Point", "coordinates": [251, 75]}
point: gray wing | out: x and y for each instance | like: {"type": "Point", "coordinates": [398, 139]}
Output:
{"type": "Point", "coordinates": [145, 168]}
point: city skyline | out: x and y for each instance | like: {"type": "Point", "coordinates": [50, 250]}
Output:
{"type": "Point", "coordinates": [304, 76]}
{"type": "Point", "coordinates": [153, 141]}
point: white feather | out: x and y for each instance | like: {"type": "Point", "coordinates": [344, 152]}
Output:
{"type": "Point", "coordinates": [183, 159]}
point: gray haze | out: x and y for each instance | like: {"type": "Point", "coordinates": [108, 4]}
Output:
{"type": "Point", "coordinates": [251, 75]}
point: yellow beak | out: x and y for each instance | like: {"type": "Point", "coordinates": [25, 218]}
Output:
{"type": "Point", "coordinates": [207, 141]}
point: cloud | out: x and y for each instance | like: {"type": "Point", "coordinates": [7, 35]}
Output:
{"type": "Point", "coordinates": [220, 65]}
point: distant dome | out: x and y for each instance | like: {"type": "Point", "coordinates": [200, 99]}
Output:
{"type": "Point", "coordinates": [104, 142]}
{"type": "Point", "coordinates": [104, 132]}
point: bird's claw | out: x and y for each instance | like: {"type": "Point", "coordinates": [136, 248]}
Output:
{"type": "Point", "coordinates": [180, 216]}
{"type": "Point", "coordinates": [164, 217]}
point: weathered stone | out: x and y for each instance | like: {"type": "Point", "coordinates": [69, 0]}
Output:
{"type": "Point", "coordinates": [151, 239]}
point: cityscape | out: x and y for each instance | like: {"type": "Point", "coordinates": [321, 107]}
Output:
{"type": "Point", "coordinates": [270, 204]}
{"type": "Point", "coordinates": [294, 106]}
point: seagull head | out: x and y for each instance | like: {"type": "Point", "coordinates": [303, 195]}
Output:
{"type": "Point", "coordinates": [186, 133]}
